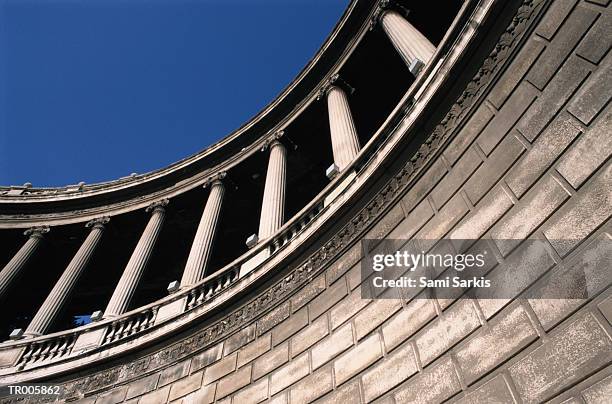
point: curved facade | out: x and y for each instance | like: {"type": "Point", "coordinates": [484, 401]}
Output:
{"type": "Point", "coordinates": [235, 275]}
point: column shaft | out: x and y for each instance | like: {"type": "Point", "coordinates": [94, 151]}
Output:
{"type": "Point", "coordinates": [12, 270]}
{"type": "Point", "coordinates": [124, 291]}
{"type": "Point", "coordinates": [345, 142]}
{"type": "Point", "coordinates": [201, 247]}
{"type": "Point", "coordinates": [406, 39]}
{"type": "Point", "coordinates": [58, 296]}
{"type": "Point", "coordinates": [273, 205]}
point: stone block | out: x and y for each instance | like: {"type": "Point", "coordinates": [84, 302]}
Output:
{"type": "Point", "coordinates": [599, 393]}
{"type": "Point", "coordinates": [564, 41]}
{"type": "Point", "coordinates": [451, 327]}
{"type": "Point", "coordinates": [407, 322]}
{"type": "Point", "coordinates": [273, 318]}
{"type": "Point", "coordinates": [207, 357]}
{"type": "Point", "coordinates": [596, 42]}
{"type": "Point", "coordinates": [393, 370]}
{"type": "Point", "coordinates": [219, 369]}
{"type": "Point", "coordinates": [606, 309]}
{"type": "Point", "coordinates": [468, 133]}
{"type": "Point", "coordinates": [307, 293]}
{"type": "Point", "coordinates": [385, 224]}
{"type": "Point", "coordinates": [539, 203]}
{"type": "Point", "coordinates": [594, 94]}
{"type": "Point", "coordinates": [494, 167]}
{"type": "Point", "coordinates": [495, 390]}
{"type": "Point", "coordinates": [253, 350]}
{"type": "Point", "coordinates": [342, 264]}
{"type": "Point", "coordinates": [348, 393]}
{"type": "Point", "coordinates": [455, 178]}
{"type": "Point", "coordinates": [507, 334]}
{"type": "Point", "coordinates": [113, 396]}
{"type": "Point", "coordinates": [585, 212]}
{"type": "Point", "coordinates": [434, 173]}
{"type": "Point", "coordinates": [270, 361]}
{"type": "Point", "coordinates": [413, 222]}
{"type": "Point", "coordinates": [588, 152]}
{"type": "Point", "coordinates": [441, 223]}
{"type": "Point", "coordinates": [339, 341]}
{"type": "Point", "coordinates": [158, 396]}
{"type": "Point", "coordinates": [255, 393]}
{"type": "Point", "coordinates": [290, 326]}
{"type": "Point", "coordinates": [554, 17]}
{"type": "Point", "coordinates": [205, 395]}
{"type": "Point", "coordinates": [311, 334]}
{"type": "Point", "coordinates": [185, 386]}
{"type": "Point", "coordinates": [353, 277]}
{"type": "Point", "coordinates": [239, 339]}
{"type": "Point", "coordinates": [357, 359]}
{"type": "Point", "coordinates": [374, 315]}
{"type": "Point", "coordinates": [327, 299]}
{"type": "Point", "coordinates": [435, 384]}
{"type": "Point", "coordinates": [174, 373]}
{"type": "Point", "coordinates": [312, 387]}
{"type": "Point", "coordinates": [289, 374]}
{"type": "Point", "coordinates": [506, 117]}
{"type": "Point", "coordinates": [579, 349]}
{"type": "Point", "coordinates": [234, 381]}
{"type": "Point", "coordinates": [556, 93]}
{"type": "Point", "coordinates": [142, 386]}
{"type": "Point", "coordinates": [516, 71]}
{"type": "Point", "coordinates": [347, 308]}
{"type": "Point", "coordinates": [546, 149]}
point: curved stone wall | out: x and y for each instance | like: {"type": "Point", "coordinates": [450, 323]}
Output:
{"type": "Point", "coordinates": [516, 145]}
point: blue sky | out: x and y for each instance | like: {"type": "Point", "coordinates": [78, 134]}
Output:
{"type": "Point", "coordinates": [93, 90]}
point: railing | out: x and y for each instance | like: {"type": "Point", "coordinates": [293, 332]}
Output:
{"type": "Point", "coordinates": [211, 288]}
{"type": "Point", "coordinates": [134, 324]}
{"type": "Point", "coordinates": [295, 227]}
{"type": "Point", "coordinates": [47, 350]}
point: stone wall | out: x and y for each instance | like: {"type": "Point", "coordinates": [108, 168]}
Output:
{"type": "Point", "coordinates": [533, 160]}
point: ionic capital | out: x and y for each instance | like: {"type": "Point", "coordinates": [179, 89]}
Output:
{"type": "Point", "coordinates": [334, 81]}
{"type": "Point", "coordinates": [216, 178]}
{"type": "Point", "coordinates": [98, 223]}
{"type": "Point", "coordinates": [157, 206]}
{"type": "Point", "coordinates": [37, 231]}
{"type": "Point", "coordinates": [384, 5]}
{"type": "Point", "coordinates": [269, 142]}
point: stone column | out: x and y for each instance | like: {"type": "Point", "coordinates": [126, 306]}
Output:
{"type": "Point", "coordinates": [406, 39]}
{"type": "Point", "coordinates": [63, 287]}
{"type": "Point", "coordinates": [124, 291]}
{"type": "Point", "coordinates": [201, 248]}
{"type": "Point", "coordinates": [273, 205]}
{"type": "Point", "coordinates": [12, 270]}
{"type": "Point", "coordinates": [345, 142]}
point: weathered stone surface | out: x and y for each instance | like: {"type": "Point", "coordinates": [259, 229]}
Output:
{"type": "Point", "coordinates": [587, 210]}
{"type": "Point", "coordinates": [589, 151]}
{"type": "Point", "coordinates": [327, 299]}
{"type": "Point", "coordinates": [255, 393]}
{"type": "Point", "coordinates": [219, 369]}
{"type": "Point", "coordinates": [448, 329]}
{"type": "Point", "coordinates": [347, 308]}
{"type": "Point", "coordinates": [434, 385]}
{"type": "Point", "coordinates": [357, 359]}
{"type": "Point", "coordinates": [505, 119]}
{"type": "Point", "coordinates": [594, 94]}
{"type": "Point", "coordinates": [289, 374]}
{"type": "Point", "coordinates": [568, 36]}
{"type": "Point", "coordinates": [290, 326]}
{"type": "Point", "coordinates": [253, 350]}
{"type": "Point", "coordinates": [206, 358]}
{"type": "Point", "coordinates": [273, 318]}
{"type": "Point", "coordinates": [339, 341]}
{"type": "Point", "coordinates": [155, 397]}
{"type": "Point", "coordinates": [233, 382]}
{"type": "Point", "coordinates": [546, 149]}
{"type": "Point", "coordinates": [606, 308]}
{"type": "Point", "coordinates": [174, 372]}
{"type": "Point", "coordinates": [597, 41]}
{"type": "Point", "coordinates": [599, 393]}
{"type": "Point", "coordinates": [374, 315]}
{"type": "Point", "coordinates": [239, 339]}
{"type": "Point", "coordinates": [424, 185]}
{"type": "Point", "coordinates": [348, 393]}
{"type": "Point", "coordinates": [529, 213]}
{"type": "Point", "coordinates": [113, 396]}
{"type": "Point", "coordinates": [504, 336]}
{"type": "Point", "coordinates": [578, 349]}
{"type": "Point", "coordinates": [477, 122]}
{"type": "Point", "coordinates": [455, 178]}
{"type": "Point", "coordinates": [205, 395]}
{"type": "Point", "coordinates": [386, 223]}
{"type": "Point", "coordinates": [309, 292]}
{"type": "Point", "coordinates": [554, 18]}
{"type": "Point", "coordinates": [142, 386]}
{"type": "Point", "coordinates": [441, 223]}
{"type": "Point", "coordinates": [494, 391]}
{"type": "Point", "coordinates": [493, 168]}
{"type": "Point", "coordinates": [270, 361]}
{"type": "Point", "coordinates": [311, 334]}
{"type": "Point", "coordinates": [185, 386]}
{"type": "Point", "coordinates": [393, 370]}
{"type": "Point", "coordinates": [312, 387]}
{"type": "Point", "coordinates": [408, 321]}
{"type": "Point", "coordinates": [343, 264]}
{"type": "Point", "coordinates": [413, 222]}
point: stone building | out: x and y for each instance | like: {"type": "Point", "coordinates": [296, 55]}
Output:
{"type": "Point", "coordinates": [234, 275]}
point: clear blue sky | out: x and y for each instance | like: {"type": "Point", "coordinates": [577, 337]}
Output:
{"type": "Point", "coordinates": [92, 90]}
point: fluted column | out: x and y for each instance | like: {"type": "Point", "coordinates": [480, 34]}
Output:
{"type": "Point", "coordinates": [12, 270]}
{"type": "Point", "coordinates": [345, 142]}
{"type": "Point", "coordinates": [201, 248]}
{"type": "Point", "coordinates": [63, 287]}
{"type": "Point", "coordinates": [273, 205]}
{"type": "Point", "coordinates": [124, 291]}
{"type": "Point", "coordinates": [406, 39]}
